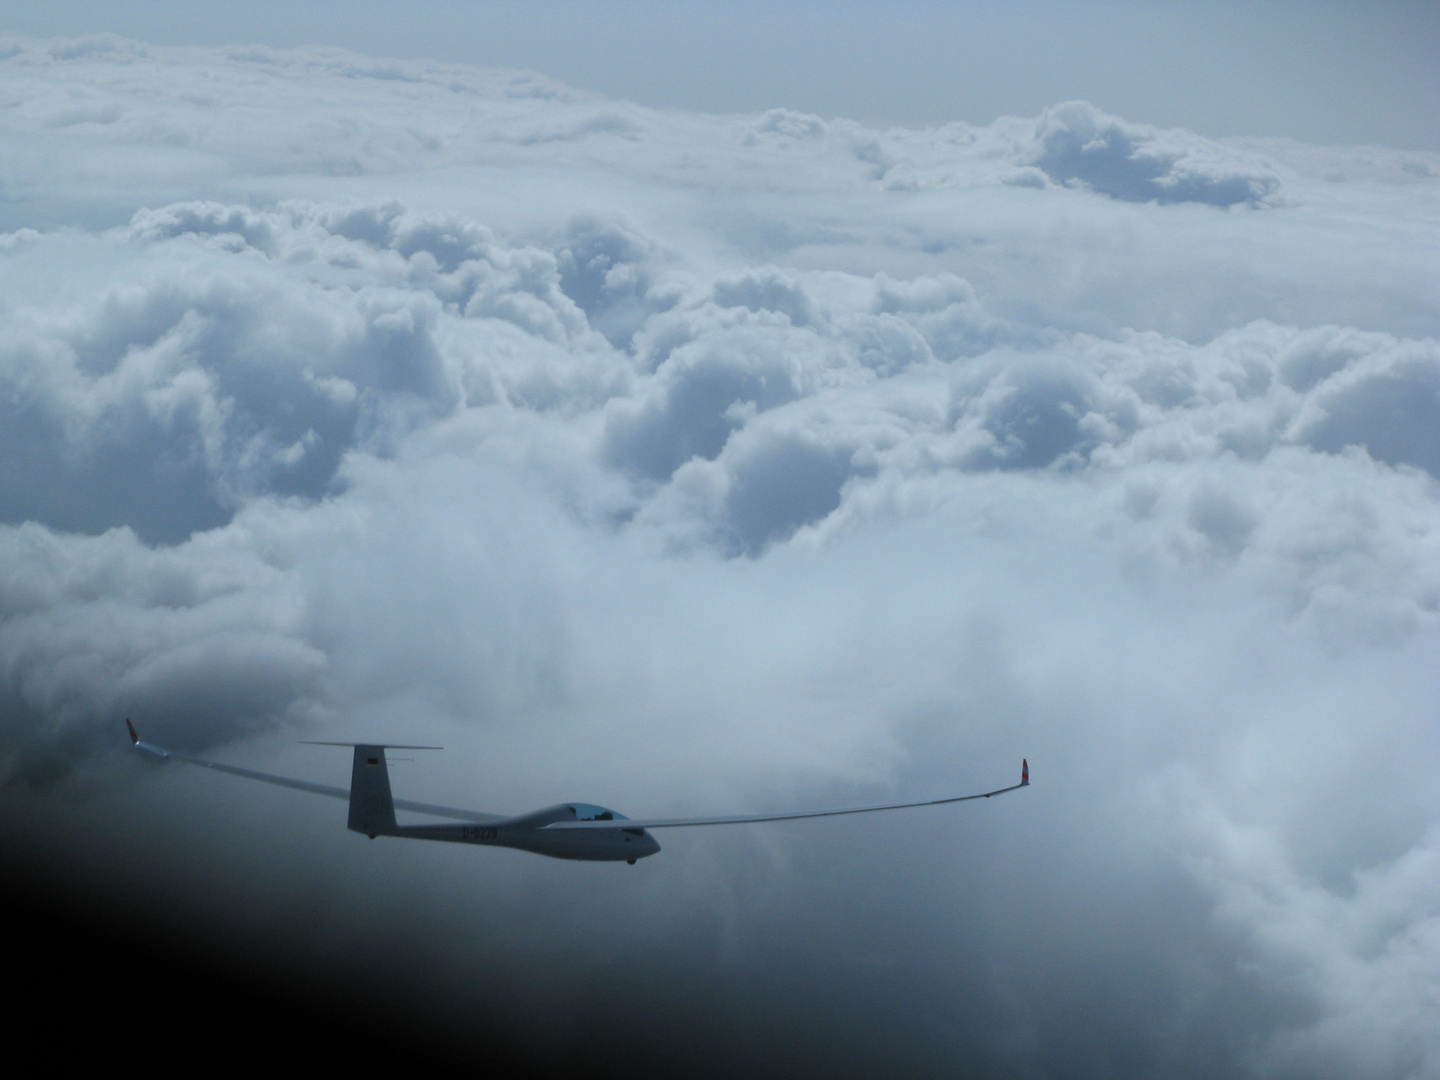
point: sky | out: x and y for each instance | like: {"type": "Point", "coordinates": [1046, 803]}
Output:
{"type": "Point", "coordinates": [1321, 71]}
{"type": "Point", "coordinates": [733, 447]}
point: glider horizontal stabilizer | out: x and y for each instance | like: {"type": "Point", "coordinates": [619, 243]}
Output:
{"type": "Point", "coordinates": [380, 746]}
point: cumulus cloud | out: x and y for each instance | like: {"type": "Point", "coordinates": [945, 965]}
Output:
{"type": "Point", "coordinates": [688, 462]}
{"type": "Point", "coordinates": [1077, 142]}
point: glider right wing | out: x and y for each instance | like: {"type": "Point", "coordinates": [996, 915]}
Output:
{"type": "Point", "coordinates": [737, 819]}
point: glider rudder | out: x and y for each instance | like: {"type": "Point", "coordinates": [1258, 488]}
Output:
{"type": "Point", "coordinates": [372, 809]}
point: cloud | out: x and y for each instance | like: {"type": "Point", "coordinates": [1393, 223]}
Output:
{"type": "Point", "coordinates": [683, 463]}
{"type": "Point", "coordinates": [1390, 405]}
{"type": "Point", "coordinates": [240, 353]}
{"type": "Point", "coordinates": [1075, 141]}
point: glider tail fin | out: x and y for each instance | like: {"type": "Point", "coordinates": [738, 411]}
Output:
{"type": "Point", "coordinates": [372, 809]}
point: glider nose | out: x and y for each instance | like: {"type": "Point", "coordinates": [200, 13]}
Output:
{"type": "Point", "coordinates": [650, 845]}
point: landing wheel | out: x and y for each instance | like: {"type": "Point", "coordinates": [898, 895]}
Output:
{"type": "Point", "coordinates": [630, 862]}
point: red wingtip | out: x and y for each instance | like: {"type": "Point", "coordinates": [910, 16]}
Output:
{"type": "Point", "coordinates": [1024, 771]}
{"type": "Point", "coordinates": [131, 728]}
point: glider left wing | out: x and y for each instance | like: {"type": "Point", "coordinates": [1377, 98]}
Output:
{"type": "Point", "coordinates": [306, 785]}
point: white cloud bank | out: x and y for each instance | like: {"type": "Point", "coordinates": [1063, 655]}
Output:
{"type": "Point", "coordinates": [688, 461]}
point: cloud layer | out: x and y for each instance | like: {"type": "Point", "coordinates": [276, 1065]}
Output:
{"type": "Point", "coordinates": [688, 463]}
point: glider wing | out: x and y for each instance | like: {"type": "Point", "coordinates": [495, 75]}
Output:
{"type": "Point", "coordinates": [736, 819]}
{"type": "Point", "coordinates": [306, 785]}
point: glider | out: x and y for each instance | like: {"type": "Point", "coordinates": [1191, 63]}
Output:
{"type": "Point", "coordinates": [566, 831]}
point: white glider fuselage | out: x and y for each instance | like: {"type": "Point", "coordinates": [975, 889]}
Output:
{"type": "Point", "coordinates": [372, 812]}
{"type": "Point", "coordinates": [529, 833]}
